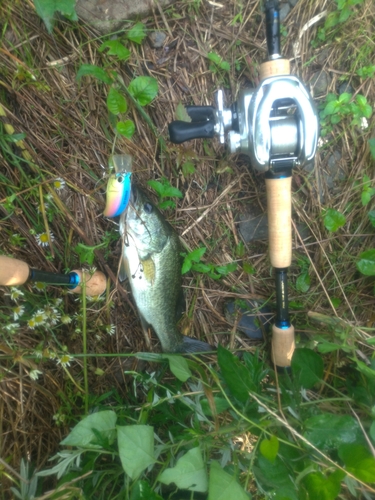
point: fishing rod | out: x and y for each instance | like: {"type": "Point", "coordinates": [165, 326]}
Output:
{"type": "Point", "coordinates": [14, 272]}
{"type": "Point", "coordinates": [276, 125]}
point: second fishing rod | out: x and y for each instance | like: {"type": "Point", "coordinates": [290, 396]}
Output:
{"type": "Point", "coordinates": [276, 125]}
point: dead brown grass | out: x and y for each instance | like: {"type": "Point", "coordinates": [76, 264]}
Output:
{"type": "Point", "coordinates": [68, 135]}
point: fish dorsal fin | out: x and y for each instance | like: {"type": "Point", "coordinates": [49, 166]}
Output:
{"type": "Point", "coordinates": [149, 269]}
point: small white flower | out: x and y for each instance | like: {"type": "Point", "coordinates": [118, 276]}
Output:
{"type": "Point", "coordinates": [38, 353]}
{"type": "Point", "coordinates": [64, 360]}
{"type": "Point", "coordinates": [40, 210]}
{"type": "Point", "coordinates": [110, 329]}
{"type": "Point", "coordinates": [18, 312]}
{"type": "Point", "coordinates": [52, 314]}
{"type": "Point", "coordinates": [12, 327]}
{"type": "Point", "coordinates": [364, 123]}
{"type": "Point", "coordinates": [31, 323]}
{"type": "Point", "coordinates": [34, 374]}
{"type": "Point", "coordinates": [15, 294]}
{"type": "Point", "coordinates": [57, 302]}
{"type": "Point", "coordinates": [66, 319]}
{"type": "Point", "coordinates": [59, 184]}
{"type": "Point", "coordinates": [39, 286]}
{"type": "Point", "coordinates": [42, 239]}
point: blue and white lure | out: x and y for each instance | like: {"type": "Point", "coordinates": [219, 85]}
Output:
{"type": "Point", "coordinates": [118, 194]}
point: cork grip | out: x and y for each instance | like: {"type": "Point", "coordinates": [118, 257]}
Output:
{"type": "Point", "coordinates": [274, 68]}
{"type": "Point", "coordinates": [283, 346]}
{"type": "Point", "coordinates": [279, 204]}
{"type": "Point", "coordinates": [13, 272]}
{"type": "Point", "coordinates": [94, 284]}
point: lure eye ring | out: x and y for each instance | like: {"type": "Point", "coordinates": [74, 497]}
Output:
{"type": "Point", "coordinates": [120, 179]}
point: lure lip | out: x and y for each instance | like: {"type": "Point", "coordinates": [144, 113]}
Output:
{"type": "Point", "coordinates": [118, 194]}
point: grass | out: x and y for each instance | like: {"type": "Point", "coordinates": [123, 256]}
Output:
{"type": "Point", "coordinates": [264, 429]}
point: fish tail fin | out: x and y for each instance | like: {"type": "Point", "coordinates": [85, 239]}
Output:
{"type": "Point", "coordinates": [190, 345]}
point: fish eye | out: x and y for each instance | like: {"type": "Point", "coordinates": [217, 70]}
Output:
{"type": "Point", "coordinates": [148, 208]}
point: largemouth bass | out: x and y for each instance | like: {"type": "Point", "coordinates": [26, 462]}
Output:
{"type": "Point", "coordinates": [151, 261]}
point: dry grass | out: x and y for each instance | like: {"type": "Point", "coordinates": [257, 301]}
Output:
{"type": "Point", "coordinates": [68, 135]}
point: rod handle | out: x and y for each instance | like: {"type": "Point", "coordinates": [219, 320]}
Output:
{"type": "Point", "coordinates": [274, 68]}
{"type": "Point", "coordinates": [95, 283]}
{"type": "Point", "coordinates": [13, 272]}
{"type": "Point", "coordinates": [283, 345]}
{"type": "Point", "coordinates": [279, 205]}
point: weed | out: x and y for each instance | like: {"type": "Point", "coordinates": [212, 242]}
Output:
{"type": "Point", "coordinates": [164, 190]}
{"type": "Point", "coordinates": [192, 261]}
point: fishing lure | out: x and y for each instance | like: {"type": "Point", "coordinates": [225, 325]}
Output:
{"type": "Point", "coordinates": [118, 194]}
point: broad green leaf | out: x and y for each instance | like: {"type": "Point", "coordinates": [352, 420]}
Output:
{"type": "Point", "coordinates": [274, 474]}
{"type": "Point", "coordinates": [136, 448]}
{"type": "Point", "coordinates": [371, 144]}
{"type": "Point", "coordinates": [358, 461]}
{"type": "Point", "coordinates": [46, 10]}
{"type": "Point", "coordinates": [143, 89]}
{"type": "Point", "coordinates": [188, 168]}
{"type": "Point", "coordinates": [136, 33]}
{"type": "Point", "coordinates": [228, 268]}
{"type": "Point", "coordinates": [328, 431]}
{"type": "Point", "coordinates": [333, 220]}
{"type": "Point", "coordinates": [116, 102]}
{"type": "Point", "coordinates": [221, 404]}
{"type": "Point", "coordinates": [235, 374]}
{"type": "Point", "coordinates": [178, 366]}
{"type": "Point", "coordinates": [303, 282]}
{"type": "Point", "coordinates": [223, 486]}
{"type": "Point", "coordinates": [363, 368]}
{"type": "Point", "coordinates": [215, 58]}
{"type": "Point", "coordinates": [126, 128]}
{"type": "Point", "coordinates": [156, 186]}
{"type": "Point", "coordinates": [199, 267]}
{"type": "Point", "coordinates": [325, 347]}
{"type": "Point", "coordinates": [366, 197]}
{"type": "Point", "coordinates": [181, 113]}
{"type": "Point", "coordinates": [366, 262]}
{"type": "Point", "coordinates": [82, 434]}
{"type": "Point", "coordinates": [248, 268]}
{"type": "Point", "coordinates": [197, 254]}
{"type": "Point", "coordinates": [115, 48]}
{"type": "Point", "coordinates": [345, 97]}
{"type": "Point", "coordinates": [189, 472]}
{"type": "Point", "coordinates": [95, 71]}
{"type": "Point", "coordinates": [186, 266]}
{"type": "Point", "coordinates": [322, 487]}
{"type": "Point", "coordinates": [307, 367]}
{"type": "Point", "coordinates": [170, 191]}
{"type": "Point", "coordinates": [141, 490]}
{"type": "Point", "coordinates": [167, 204]}
{"type": "Point", "coordinates": [269, 448]}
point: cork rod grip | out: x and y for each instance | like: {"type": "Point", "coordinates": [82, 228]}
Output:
{"type": "Point", "coordinates": [283, 345]}
{"type": "Point", "coordinates": [274, 68]}
{"type": "Point", "coordinates": [279, 204]}
{"type": "Point", "coordinates": [13, 272]}
{"type": "Point", "coordinates": [94, 284]}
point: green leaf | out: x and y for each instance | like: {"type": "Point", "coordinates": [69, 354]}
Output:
{"type": "Point", "coordinates": [95, 71]}
{"type": "Point", "coordinates": [235, 374]}
{"type": "Point", "coordinates": [221, 405]}
{"type": "Point", "coordinates": [167, 204]}
{"type": "Point", "coordinates": [116, 48]}
{"type": "Point", "coordinates": [189, 472]}
{"type": "Point", "coordinates": [46, 10]}
{"type": "Point", "coordinates": [82, 434]}
{"type": "Point", "coordinates": [274, 474]}
{"type": "Point", "coordinates": [269, 448]}
{"type": "Point", "coordinates": [358, 461]}
{"type": "Point", "coordinates": [248, 268]}
{"type": "Point", "coordinates": [329, 431]}
{"type": "Point", "coordinates": [371, 216]}
{"type": "Point", "coordinates": [307, 367]}
{"type": "Point", "coordinates": [372, 431]}
{"type": "Point", "coordinates": [141, 490]}
{"type": "Point", "coordinates": [366, 263]}
{"type": "Point", "coordinates": [116, 102]}
{"type": "Point", "coordinates": [188, 168]}
{"type": "Point", "coordinates": [143, 89]}
{"type": "Point", "coordinates": [361, 100]}
{"type": "Point", "coordinates": [303, 282]}
{"type": "Point", "coordinates": [371, 143]}
{"type": "Point", "coordinates": [228, 268]}
{"type": "Point", "coordinates": [178, 366]}
{"type": "Point", "coordinates": [325, 347]}
{"type": "Point", "coordinates": [182, 114]}
{"type": "Point", "coordinates": [333, 220]}
{"type": "Point", "coordinates": [223, 486]}
{"type": "Point", "coordinates": [365, 197]}
{"type": "Point", "coordinates": [215, 58]}
{"type": "Point", "coordinates": [322, 487]}
{"type": "Point", "coordinates": [197, 254]}
{"type": "Point", "coordinates": [186, 266]}
{"type": "Point", "coordinates": [156, 186]}
{"type": "Point", "coordinates": [136, 33]}
{"type": "Point", "coordinates": [86, 253]}
{"type": "Point", "coordinates": [345, 97]}
{"type": "Point", "coordinates": [126, 128]}
{"type": "Point", "coordinates": [136, 448]}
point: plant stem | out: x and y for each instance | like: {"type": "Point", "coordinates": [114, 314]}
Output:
{"type": "Point", "coordinates": [84, 333]}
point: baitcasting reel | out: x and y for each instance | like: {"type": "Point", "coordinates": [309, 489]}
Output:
{"type": "Point", "coordinates": [275, 124]}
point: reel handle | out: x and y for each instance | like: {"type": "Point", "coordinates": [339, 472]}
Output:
{"type": "Point", "coordinates": [180, 131]}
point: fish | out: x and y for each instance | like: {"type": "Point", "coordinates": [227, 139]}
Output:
{"type": "Point", "coordinates": [151, 261]}
{"type": "Point", "coordinates": [118, 194]}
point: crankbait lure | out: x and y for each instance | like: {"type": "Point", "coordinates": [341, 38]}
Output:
{"type": "Point", "coordinates": [118, 194]}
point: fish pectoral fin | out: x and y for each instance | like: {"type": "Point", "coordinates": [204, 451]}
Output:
{"type": "Point", "coordinates": [149, 269]}
{"type": "Point", "coordinates": [123, 272]}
